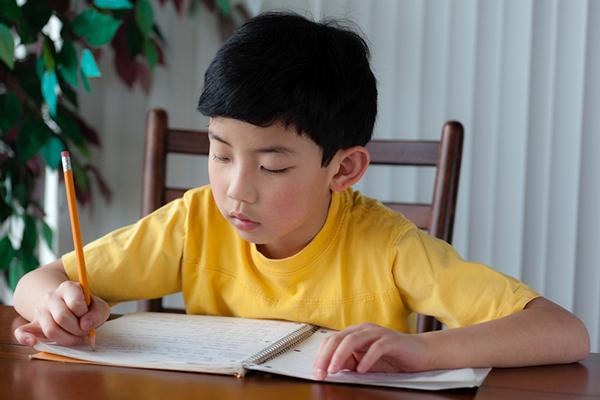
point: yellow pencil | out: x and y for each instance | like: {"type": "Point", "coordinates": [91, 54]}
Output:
{"type": "Point", "coordinates": [77, 242]}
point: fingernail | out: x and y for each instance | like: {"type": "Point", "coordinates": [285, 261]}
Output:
{"type": "Point", "coordinates": [29, 340]}
{"type": "Point", "coordinates": [332, 369]}
{"type": "Point", "coordinates": [319, 373]}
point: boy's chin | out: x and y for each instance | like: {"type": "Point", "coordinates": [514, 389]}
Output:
{"type": "Point", "coordinates": [252, 237]}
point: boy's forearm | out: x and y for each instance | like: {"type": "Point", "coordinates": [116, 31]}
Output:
{"type": "Point", "coordinates": [543, 333]}
{"type": "Point", "coordinates": [35, 285]}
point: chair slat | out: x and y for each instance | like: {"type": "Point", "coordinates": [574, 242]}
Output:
{"type": "Point", "coordinates": [187, 142]}
{"type": "Point", "coordinates": [394, 152]}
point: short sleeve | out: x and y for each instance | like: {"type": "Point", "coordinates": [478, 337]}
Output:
{"type": "Point", "coordinates": [139, 261]}
{"type": "Point", "coordinates": [434, 280]}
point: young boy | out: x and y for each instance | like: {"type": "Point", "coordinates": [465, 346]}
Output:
{"type": "Point", "coordinates": [280, 234]}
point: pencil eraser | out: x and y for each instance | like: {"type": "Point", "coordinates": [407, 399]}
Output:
{"type": "Point", "coordinates": [65, 154]}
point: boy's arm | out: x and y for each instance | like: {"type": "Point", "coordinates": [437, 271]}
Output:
{"type": "Point", "coordinates": [33, 286]}
{"type": "Point", "coordinates": [543, 333]}
{"type": "Point", "coordinates": [55, 306]}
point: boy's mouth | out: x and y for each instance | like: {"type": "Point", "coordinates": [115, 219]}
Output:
{"type": "Point", "coordinates": [242, 222]}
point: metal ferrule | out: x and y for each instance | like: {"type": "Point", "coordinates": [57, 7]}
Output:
{"type": "Point", "coordinates": [66, 162]}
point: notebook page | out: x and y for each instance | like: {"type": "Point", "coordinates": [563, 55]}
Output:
{"type": "Point", "coordinates": [179, 342]}
{"type": "Point", "coordinates": [298, 362]}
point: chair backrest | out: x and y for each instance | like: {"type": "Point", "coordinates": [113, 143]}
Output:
{"type": "Point", "coordinates": [436, 217]}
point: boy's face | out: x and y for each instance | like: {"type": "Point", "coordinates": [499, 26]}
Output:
{"type": "Point", "coordinates": [269, 184]}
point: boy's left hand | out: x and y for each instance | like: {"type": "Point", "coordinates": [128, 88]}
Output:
{"type": "Point", "coordinates": [370, 347]}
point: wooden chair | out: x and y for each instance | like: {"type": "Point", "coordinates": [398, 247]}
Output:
{"type": "Point", "coordinates": [436, 217]}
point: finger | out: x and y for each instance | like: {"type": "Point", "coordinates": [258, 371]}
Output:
{"type": "Point", "coordinates": [357, 341]}
{"type": "Point", "coordinates": [99, 312]}
{"type": "Point", "coordinates": [351, 362]}
{"type": "Point", "coordinates": [376, 350]}
{"type": "Point", "coordinates": [73, 297]}
{"type": "Point", "coordinates": [54, 332]}
{"type": "Point", "coordinates": [29, 334]}
{"type": "Point", "coordinates": [323, 357]}
{"type": "Point", "coordinates": [63, 316]}
{"type": "Point", "coordinates": [327, 348]}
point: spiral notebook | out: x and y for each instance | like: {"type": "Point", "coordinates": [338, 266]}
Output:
{"type": "Point", "coordinates": [227, 345]}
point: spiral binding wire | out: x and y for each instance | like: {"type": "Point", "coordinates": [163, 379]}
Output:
{"type": "Point", "coordinates": [282, 345]}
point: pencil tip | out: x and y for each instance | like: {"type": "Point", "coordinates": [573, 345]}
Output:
{"type": "Point", "coordinates": [92, 337]}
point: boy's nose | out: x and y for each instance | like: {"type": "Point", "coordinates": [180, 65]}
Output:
{"type": "Point", "coordinates": [241, 188]}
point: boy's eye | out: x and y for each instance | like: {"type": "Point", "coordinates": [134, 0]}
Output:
{"type": "Point", "coordinates": [275, 171]}
{"type": "Point", "coordinates": [218, 158]}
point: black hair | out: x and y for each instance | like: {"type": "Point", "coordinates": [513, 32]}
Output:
{"type": "Point", "coordinates": [281, 67]}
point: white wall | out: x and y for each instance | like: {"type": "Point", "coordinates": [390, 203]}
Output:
{"type": "Point", "coordinates": [523, 76]}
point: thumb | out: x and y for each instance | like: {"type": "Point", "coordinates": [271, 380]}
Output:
{"type": "Point", "coordinates": [98, 312]}
{"type": "Point", "coordinates": [29, 334]}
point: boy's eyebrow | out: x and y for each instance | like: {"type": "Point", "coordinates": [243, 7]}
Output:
{"type": "Point", "coordinates": [216, 137]}
{"type": "Point", "coordinates": [269, 149]}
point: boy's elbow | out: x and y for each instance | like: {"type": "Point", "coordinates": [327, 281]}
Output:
{"type": "Point", "coordinates": [575, 338]}
{"type": "Point", "coordinates": [571, 337]}
{"type": "Point", "coordinates": [581, 340]}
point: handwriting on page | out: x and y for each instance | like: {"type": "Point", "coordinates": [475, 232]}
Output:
{"type": "Point", "coordinates": [168, 338]}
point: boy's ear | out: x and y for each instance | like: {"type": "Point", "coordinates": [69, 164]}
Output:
{"type": "Point", "coordinates": [351, 165]}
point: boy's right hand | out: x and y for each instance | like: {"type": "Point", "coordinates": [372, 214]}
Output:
{"type": "Point", "coordinates": [63, 317]}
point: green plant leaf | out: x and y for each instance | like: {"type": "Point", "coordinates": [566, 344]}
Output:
{"type": "Point", "coordinates": [82, 181]}
{"type": "Point", "coordinates": [151, 53]}
{"type": "Point", "coordinates": [26, 32]}
{"type": "Point", "coordinates": [15, 273]}
{"type": "Point", "coordinates": [32, 136]}
{"type": "Point", "coordinates": [69, 126]}
{"type": "Point", "coordinates": [20, 193]}
{"type": "Point", "coordinates": [135, 40]}
{"type": "Point", "coordinates": [96, 28]}
{"type": "Point", "coordinates": [68, 64]}
{"type": "Point", "coordinates": [37, 14]}
{"type": "Point", "coordinates": [10, 10]}
{"type": "Point", "coordinates": [34, 15]}
{"type": "Point", "coordinates": [6, 208]}
{"type": "Point", "coordinates": [113, 4]}
{"type": "Point", "coordinates": [7, 253]}
{"type": "Point", "coordinates": [224, 7]}
{"type": "Point", "coordinates": [48, 54]}
{"type": "Point", "coordinates": [144, 16]}
{"type": "Point", "coordinates": [49, 83]}
{"type": "Point", "coordinates": [10, 110]}
{"type": "Point", "coordinates": [30, 262]}
{"type": "Point", "coordinates": [7, 46]}
{"type": "Point", "coordinates": [71, 130]}
{"type": "Point", "coordinates": [70, 95]}
{"type": "Point", "coordinates": [29, 239]}
{"type": "Point", "coordinates": [158, 32]}
{"type": "Point", "coordinates": [51, 152]}
{"type": "Point", "coordinates": [88, 65]}
{"type": "Point", "coordinates": [47, 234]}
{"type": "Point", "coordinates": [86, 83]}
{"type": "Point", "coordinates": [24, 262]}
{"type": "Point", "coordinates": [40, 67]}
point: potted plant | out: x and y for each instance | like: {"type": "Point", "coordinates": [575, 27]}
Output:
{"type": "Point", "coordinates": [48, 53]}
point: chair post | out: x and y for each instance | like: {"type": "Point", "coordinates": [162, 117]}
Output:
{"type": "Point", "coordinates": [444, 197]}
{"type": "Point", "coordinates": [153, 180]}
{"type": "Point", "coordinates": [446, 181]}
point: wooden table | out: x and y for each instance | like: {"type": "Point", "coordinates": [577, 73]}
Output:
{"type": "Point", "coordinates": [22, 378]}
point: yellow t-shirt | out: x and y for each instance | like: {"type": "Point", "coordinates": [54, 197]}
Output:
{"type": "Point", "coordinates": [367, 264]}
